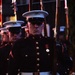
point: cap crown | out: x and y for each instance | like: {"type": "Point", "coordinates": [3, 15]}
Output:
{"type": "Point", "coordinates": [35, 13]}
{"type": "Point", "coordinates": [9, 24]}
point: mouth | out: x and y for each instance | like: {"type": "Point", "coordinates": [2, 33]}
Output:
{"type": "Point", "coordinates": [36, 31]}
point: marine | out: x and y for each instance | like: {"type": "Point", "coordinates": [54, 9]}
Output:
{"type": "Point", "coordinates": [34, 53]}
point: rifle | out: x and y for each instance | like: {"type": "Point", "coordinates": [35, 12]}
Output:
{"type": "Point", "coordinates": [0, 13]}
{"type": "Point", "coordinates": [55, 36]}
{"type": "Point", "coordinates": [45, 29]}
{"type": "Point", "coordinates": [67, 21]}
{"type": "Point", "coordinates": [15, 9]}
{"type": "Point", "coordinates": [30, 4]}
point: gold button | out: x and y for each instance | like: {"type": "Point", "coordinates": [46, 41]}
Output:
{"type": "Point", "coordinates": [38, 53]}
{"type": "Point", "coordinates": [38, 59]}
{"type": "Point", "coordinates": [36, 42]}
{"type": "Point", "coordinates": [38, 65]}
{"type": "Point", "coordinates": [48, 54]}
{"type": "Point", "coordinates": [37, 47]}
{"type": "Point", "coordinates": [33, 38]}
{"type": "Point", "coordinates": [26, 55]}
{"type": "Point", "coordinates": [25, 37]}
{"type": "Point", "coordinates": [47, 50]}
{"type": "Point", "coordinates": [65, 72]}
{"type": "Point", "coordinates": [18, 69]}
{"type": "Point", "coordinates": [7, 58]}
{"type": "Point", "coordinates": [40, 36]}
{"type": "Point", "coordinates": [67, 68]}
{"type": "Point", "coordinates": [57, 64]}
{"type": "Point", "coordinates": [38, 70]}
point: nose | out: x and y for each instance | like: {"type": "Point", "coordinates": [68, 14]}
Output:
{"type": "Point", "coordinates": [36, 25]}
{"type": "Point", "coordinates": [15, 35]}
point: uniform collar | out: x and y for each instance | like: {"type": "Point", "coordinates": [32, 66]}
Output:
{"type": "Point", "coordinates": [35, 36]}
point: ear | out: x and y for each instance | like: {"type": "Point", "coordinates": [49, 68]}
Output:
{"type": "Point", "coordinates": [27, 24]}
{"type": "Point", "coordinates": [42, 25]}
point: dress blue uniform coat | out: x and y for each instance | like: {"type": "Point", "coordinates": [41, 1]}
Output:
{"type": "Point", "coordinates": [4, 57]}
{"type": "Point", "coordinates": [33, 54]}
{"type": "Point", "coordinates": [63, 59]}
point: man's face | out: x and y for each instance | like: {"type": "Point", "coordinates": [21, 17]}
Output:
{"type": "Point", "coordinates": [35, 29]}
{"type": "Point", "coordinates": [35, 26]}
{"type": "Point", "coordinates": [14, 33]}
{"type": "Point", "coordinates": [5, 37]}
{"type": "Point", "coordinates": [14, 37]}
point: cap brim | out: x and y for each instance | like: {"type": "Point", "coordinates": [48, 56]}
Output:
{"type": "Point", "coordinates": [12, 22]}
{"type": "Point", "coordinates": [3, 28]}
{"type": "Point", "coordinates": [24, 27]}
{"type": "Point", "coordinates": [35, 12]}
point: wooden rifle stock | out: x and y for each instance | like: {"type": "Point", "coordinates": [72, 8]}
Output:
{"type": "Point", "coordinates": [67, 21]}
{"type": "Point", "coordinates": [15, 9]}
{"type": "Point", "coordinates": [0, 13]}
{"type": "Point", "coordinates": [45, 29]}
{"type": "Point", "coordinates": [30, 4]}
{"type": "Point", "coordinates": [56, 37]}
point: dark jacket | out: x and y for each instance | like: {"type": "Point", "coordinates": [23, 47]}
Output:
{"type": "Point", "coordinates": [34, 53]}
{"type": "Point", "coordinates": [4, 57]}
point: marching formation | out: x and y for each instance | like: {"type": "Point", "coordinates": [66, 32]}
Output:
{"type": "Point", "coordinates": [33, 53]}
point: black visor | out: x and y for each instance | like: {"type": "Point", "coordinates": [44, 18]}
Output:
{"type": "Point", "coordinates": [36, 20]}
{"type": "Point", "coordinates": [14, 30]}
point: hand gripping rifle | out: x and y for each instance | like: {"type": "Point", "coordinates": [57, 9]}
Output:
{"type": "Point", "coordinates": [67, 21]}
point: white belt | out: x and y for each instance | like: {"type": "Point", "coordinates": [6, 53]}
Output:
{"type": "Point", "coordinates": [41, 73]}
{"type": "Point", "coordinates": [23, 73]}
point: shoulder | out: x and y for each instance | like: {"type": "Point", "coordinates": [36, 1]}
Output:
{"type": "Point", "coordinates": [49, 40]}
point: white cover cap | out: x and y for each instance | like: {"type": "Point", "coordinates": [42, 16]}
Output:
{"type": "Point", "coordinates": [35, 13]}
{"type": "Point", "coordinates": [9, 24]}
{"type": "Point", "coordinates": [3, 30]}
{"type": "Point", "coordinates": [24, 27]}
{"type": "Point", "coordinates": [62, 28]}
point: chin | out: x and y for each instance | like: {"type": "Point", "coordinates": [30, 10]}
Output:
{"type": "Point", "coordinates": [36, 33]}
